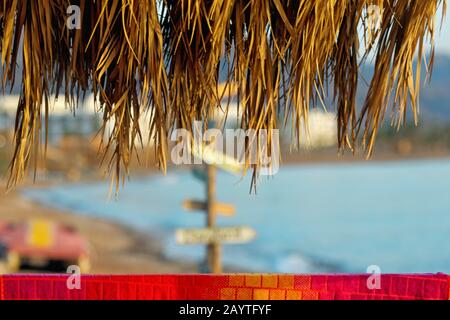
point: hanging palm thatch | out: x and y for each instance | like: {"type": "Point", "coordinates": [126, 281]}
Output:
{"type": "Point", "coordinates": [164, 57]}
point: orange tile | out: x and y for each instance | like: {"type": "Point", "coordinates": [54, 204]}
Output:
{"type": "Point", "coordinates": [228, 294]}
{"type": "Point", "coordinates": [293, 295]}
{"type": "Point", "coordinates": [269, 281]}
{"type": "Point", "coordinates": [253, 281]}
{"type": "Point", "coordinates": [261, 294]}
{"type": "Point", "coordinates": [244, 294]}
{"type": "Point", "coordinates": [276, 294]}
{"type": "Point", "coordinates": [236, 281]}
{"type": "Point", "coordinates": [286, 282]}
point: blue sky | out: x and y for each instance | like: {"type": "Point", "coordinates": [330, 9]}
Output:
{"type": "Point", "coordinates": [443, 37]}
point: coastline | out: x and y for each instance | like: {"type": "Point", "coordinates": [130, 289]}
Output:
{"type": "Point", "coordinates": [330, 156]}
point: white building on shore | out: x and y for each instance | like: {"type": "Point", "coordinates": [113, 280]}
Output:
{"type": "Point", "coordinates": [62, 120]}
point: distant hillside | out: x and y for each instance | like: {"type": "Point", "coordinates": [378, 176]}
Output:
{"type": "Point", "coordinates": [435, 101]}
{"type": "Point", "coordinates": [435, 95]}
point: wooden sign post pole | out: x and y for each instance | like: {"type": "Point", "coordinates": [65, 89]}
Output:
{"type": "Point", "coordinates": [213, 236]}
{"type": "Point", "coordinates": [213, 254]}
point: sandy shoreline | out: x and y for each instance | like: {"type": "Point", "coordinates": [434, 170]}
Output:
{"type": "Point", "coordinates": [115, 249]}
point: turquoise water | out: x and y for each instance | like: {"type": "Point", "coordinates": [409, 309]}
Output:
{"type": "Point", "coordinates": [321, 218]}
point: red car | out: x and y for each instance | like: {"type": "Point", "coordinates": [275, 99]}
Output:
{"type": "Point", "coordinates": [40, 243]}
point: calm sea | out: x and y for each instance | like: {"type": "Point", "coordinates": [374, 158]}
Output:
{"type": "Point", "coordinates": [311, 218]}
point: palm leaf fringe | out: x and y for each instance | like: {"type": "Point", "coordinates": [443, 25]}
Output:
{"type": "Point", "coordinates": [164, 57]}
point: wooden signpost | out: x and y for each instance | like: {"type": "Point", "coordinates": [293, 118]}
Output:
{"type": "Point", "coordinates": [224, 209]}
{"type": "Point", "coordinates": [213, 158]}
{"type": "Point", "coordinates": [213, 236]}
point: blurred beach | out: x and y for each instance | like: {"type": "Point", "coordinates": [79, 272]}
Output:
{"type": "Point", "coordinates": [310, 218]}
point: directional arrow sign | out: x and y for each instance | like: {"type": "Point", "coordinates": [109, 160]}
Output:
{"type": "Point", "coordinates": [233, 235]}
{"type": "Point", "coordinates": [219, 208]}
{"type": "Point", "coordinates": [224, 209]}
{"type": "Point", "coordinates": [217, 159]}
{"type": "Point", "coordinates": [194, 205]}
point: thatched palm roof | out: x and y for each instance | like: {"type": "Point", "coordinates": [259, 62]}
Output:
{"type": "Point", "coordinates": [165, 56]}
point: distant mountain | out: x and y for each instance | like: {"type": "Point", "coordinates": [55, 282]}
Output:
{"type": "Point", "coordinates": [435, 100]}
{"type": "Point", "coordinates": [435, 94]}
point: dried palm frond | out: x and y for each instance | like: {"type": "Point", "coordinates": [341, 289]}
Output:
{"type": "Point", "coordinates": [164, 57]}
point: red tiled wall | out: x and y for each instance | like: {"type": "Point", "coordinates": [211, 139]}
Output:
{"type": "Point", "coordinates": [229, 287]}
